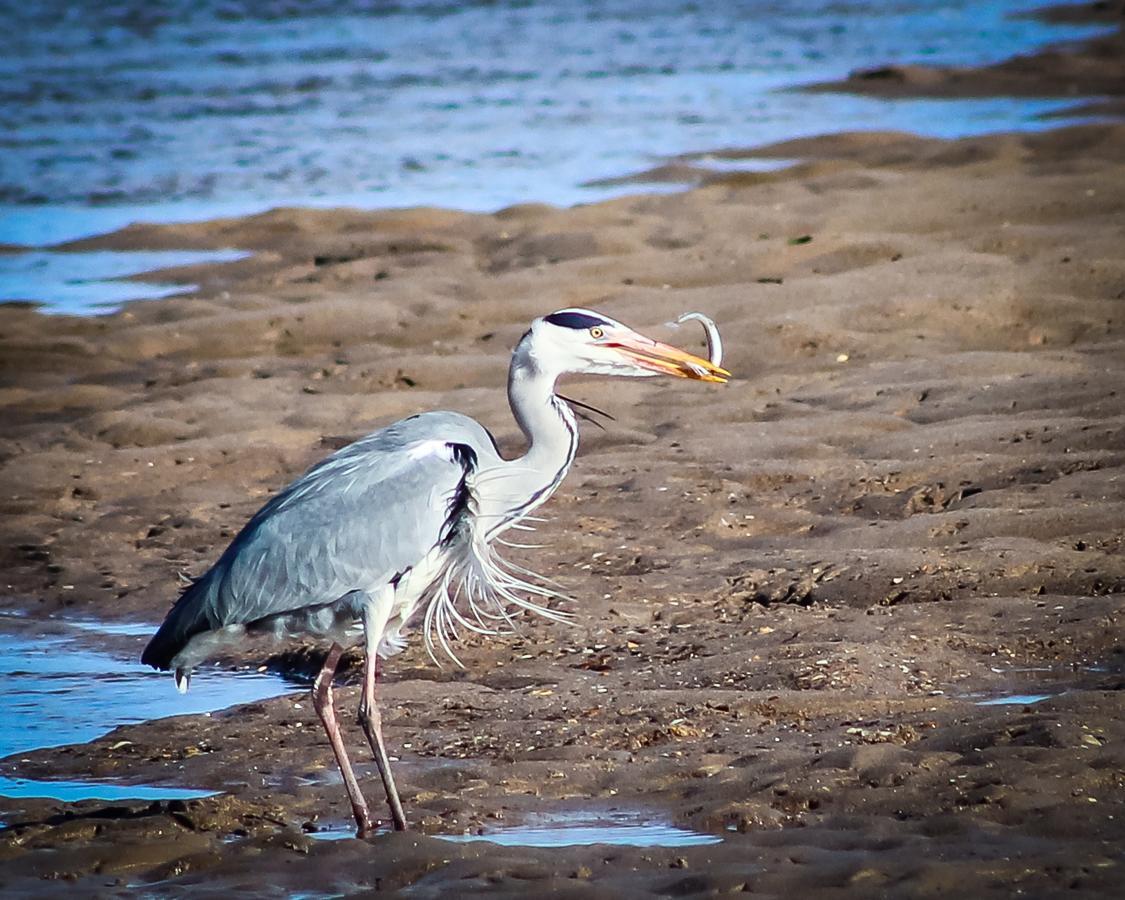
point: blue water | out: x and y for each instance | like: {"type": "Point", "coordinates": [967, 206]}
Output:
{"type": "Point", "coordinates": [1015, 700]}
{"type": "Point", "coordinates": [91, 282]}
{"type": "Point", "coordinates": [59, 688]}
{"type": "Point", "coordinates": [191, 109]}
{"type": "Point", "coordinates": [583, 829]}
{"type": "Point", "coordinates": [134, 109]}
{"type": "Point", "coordinates": [584, 835]}
{"type": "Point", "coordinates": [74, 791]}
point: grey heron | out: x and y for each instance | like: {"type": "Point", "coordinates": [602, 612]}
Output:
{"type": "Point", "coordinates": [398, 529]}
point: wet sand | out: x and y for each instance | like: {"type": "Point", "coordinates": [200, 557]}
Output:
{"type": "Point", "coordinates": [793, 591]}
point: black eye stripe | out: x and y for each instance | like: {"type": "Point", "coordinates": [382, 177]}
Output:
{"type": "Point", "coordinates": [578, 320]}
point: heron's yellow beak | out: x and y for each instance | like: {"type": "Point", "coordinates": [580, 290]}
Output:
{"type": "Point", "coordinates": [668, 360]}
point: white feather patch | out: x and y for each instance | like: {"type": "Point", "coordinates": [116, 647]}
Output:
{"type": "Point", "coordinates": [422, 449]}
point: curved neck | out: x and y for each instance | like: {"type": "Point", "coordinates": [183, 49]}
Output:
{"type": "Point", "coordinates": [546, 421]}
{"type": "Point", "coordinates": [552, 436]}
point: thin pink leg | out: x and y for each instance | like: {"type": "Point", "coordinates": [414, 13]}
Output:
{"type": "Point", "coordinates": [373, 727]}
{"type": "Point", "coordinates": [325, 708]}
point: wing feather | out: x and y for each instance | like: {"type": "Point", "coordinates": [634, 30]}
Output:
{"type": "Point", "coordinates": [355, 521]}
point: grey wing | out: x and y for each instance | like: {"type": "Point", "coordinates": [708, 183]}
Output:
{"type": "Point", "coordinates": [363, 516]}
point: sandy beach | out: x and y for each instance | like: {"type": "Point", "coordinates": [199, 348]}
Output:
{"type": "Point", "coordinates": [795, 592]}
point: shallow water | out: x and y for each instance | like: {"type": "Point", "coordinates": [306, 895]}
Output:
{"type": "Point", "coordinates": [111, 113]}
{"type": "Point", "coordinates": [1015, 700]}
{"type": "Point", "coordinates": [583, 835]}
{"type": "Point", "coordinates": [83, 283]}
{"type": "Point", "coordinates": [570, 829]}
{"type": "Point", "coordinates": [73, 791]}
{"type": "Point", "coordinates": [60, 687]}
{"type": "Point", "coordinates": [1028, 685]}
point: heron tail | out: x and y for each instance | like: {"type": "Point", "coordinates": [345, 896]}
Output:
{"type": "Point", "coordinates": [186, 619]}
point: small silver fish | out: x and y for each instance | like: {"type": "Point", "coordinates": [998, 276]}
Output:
{"type": "Point", "coordinates": [714, 342]}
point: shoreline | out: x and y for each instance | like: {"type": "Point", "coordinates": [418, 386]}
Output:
{"type": "Point", "coordinates": [1079, 67]}
{"type": "Point", "coordinates": [1094, 67]}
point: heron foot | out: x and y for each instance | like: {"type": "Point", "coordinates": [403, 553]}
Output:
{"type": "Point", "coordinates": [367, 828]}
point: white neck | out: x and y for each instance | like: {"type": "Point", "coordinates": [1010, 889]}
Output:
{"type": "Point", "coordinates": [552, 435]}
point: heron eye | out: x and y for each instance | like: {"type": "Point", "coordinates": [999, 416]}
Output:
{"type": "Point", "coordinates": [596, 333]}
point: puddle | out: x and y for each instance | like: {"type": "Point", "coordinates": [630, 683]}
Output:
{"type": "Point", "coordinates": [318, 896]}
{"type": "Point", "coordinates": [567, 830]}
{"type": "Point", "coordinates": [73, 791]}
{"type": "Point", "coordinates": [334, 833]}
{"type": "Point", "coordinates": [583, 834]}
{"type": "Point", "coordinates": [1015, 700]}
{"type": "Point", "coordinates": [1028, 685]}
{"type": "Point", "coordinates": [86, 283]}
{"type": "Point", "coordinates": [63, 687]}
{"type": "Point", "coordinates": [573, 832]}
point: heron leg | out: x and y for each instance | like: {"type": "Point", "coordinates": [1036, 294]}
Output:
{"type": "Point", "coordinates": [326, 709]}
{"type": "Point", "coordinates": [372, 723]}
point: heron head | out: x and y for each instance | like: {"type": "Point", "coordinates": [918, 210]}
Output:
{"type": "Point", "coordinates": [587, 342]}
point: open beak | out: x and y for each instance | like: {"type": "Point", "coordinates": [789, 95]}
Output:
{"type": "Point", "coordinates": [664, 359]}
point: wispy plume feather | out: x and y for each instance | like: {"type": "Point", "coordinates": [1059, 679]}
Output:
{"type": "Point", "coordinates": [478, 591]}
